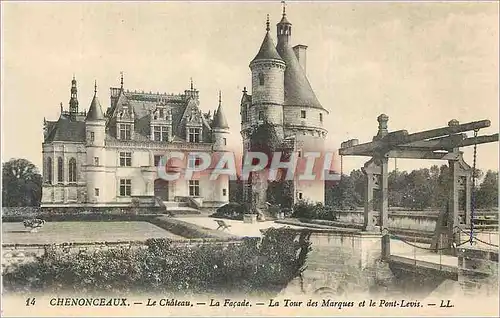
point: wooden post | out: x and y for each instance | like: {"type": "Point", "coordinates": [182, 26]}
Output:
{"type": "Point", "coordinates": [384, 210]}
{"type": "Point", "coordinates": [453, 220]}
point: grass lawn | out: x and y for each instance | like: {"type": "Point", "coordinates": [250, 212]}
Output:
{"type": "Point", "coordinates": [61, 232]}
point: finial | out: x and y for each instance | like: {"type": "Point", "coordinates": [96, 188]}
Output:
{"type": "Point", "coordinates": [74, 77]}
{"type": "Point", "coordinates": [267, 24]}
{"type": "Point", "coordinates": [244, 90]}
{"type": "Point", "coordinates": [61, 107]}
{"type": "Point", "coordinates": [284, 7]}
{"type": "Point", "coordinates": [121, 79]}
{"type": "Point", "coordinates": [220, 99]}
{"type": "Point", "coordinates": [191, 83]}
{"type": "Point", "coordinates": [95, 87]}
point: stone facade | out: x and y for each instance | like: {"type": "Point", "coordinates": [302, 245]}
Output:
{"type": "Point", "coordinates": [339, 263]}
{"type": "Point", "coordinates": [478, 271]}
{"type": "Point", "coordinates": [111, 159]}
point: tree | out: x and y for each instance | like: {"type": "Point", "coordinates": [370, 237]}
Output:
{"type": "Point", "coordinates": [235, 191]}
{"type": "Point", "coordinates": [487, 193]}
{"type": "Point", "coordinates": [346, 193]}
{"type": "Point", "coordinates": [21, 183]}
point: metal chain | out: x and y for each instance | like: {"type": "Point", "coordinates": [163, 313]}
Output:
{"type": "Point", "coordinates": [473, 199]}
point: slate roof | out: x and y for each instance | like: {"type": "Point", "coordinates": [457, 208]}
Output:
{"type": "Point", "coordinates": [220, 120]}
{"type": "Point", "coordinates": [95, 110]}
{"type": "Point", "coordinates": [298, 90]}
{"type": "Point", "coordinates": [142, 104]}
{"type": "Point", "coordinates": [267, 50]}
{"type": "Point", "coordinates": [66, 129]}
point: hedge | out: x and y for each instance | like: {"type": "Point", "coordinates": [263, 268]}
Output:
{"type": "Point", "coordinates": [255, 265]}
{"type": "Point", "coordinates": [186, 229]}
{"type": "Point", "coordinates": [308, 210]}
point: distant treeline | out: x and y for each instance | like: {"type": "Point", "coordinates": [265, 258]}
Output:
{"type": "Point", "coordinates": [416, 190]}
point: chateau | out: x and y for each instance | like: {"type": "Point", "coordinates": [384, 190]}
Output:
{"type": "Point", "coordinates": [282, 96]}
{"type": "Point", "coordinates": [109, 159]}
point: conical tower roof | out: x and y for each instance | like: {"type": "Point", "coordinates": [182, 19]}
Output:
{"type": "Point", "coordinates": [267, 49]}
{"type": "Point", "coordinates": [298, 90]}
{"type": "Point", "coordinates": [95, 110]}
{"type": "Point", "coordinates": [219, 118]}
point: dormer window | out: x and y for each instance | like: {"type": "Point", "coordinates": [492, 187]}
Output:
{"type": "Point", "coordinates": [125, 131]}
{"type": "Point", "coordinates": [302, 114]}
{"type": "Point", "coordinates": [194, 135]}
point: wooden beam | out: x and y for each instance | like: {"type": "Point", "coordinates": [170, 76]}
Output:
{"type": "Point", "coordinates": [400, 137]}
{"type": "Point", "coordinates": [447, 130]}
{"type": "Point", "coordinates": [480, 140]}
{"type": "Point", "coordinates": [444, 143]}
{"type": "Point", "coordinates": [417, 154]}
{"type": "Point", "coordinates": [366, 149]}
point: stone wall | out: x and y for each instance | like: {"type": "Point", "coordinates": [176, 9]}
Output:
{"type": "Point", "coordinates": [341, 262]}
{"type": "Point", "coordinates": [478, 271]}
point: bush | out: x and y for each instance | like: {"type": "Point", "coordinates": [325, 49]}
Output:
{"type": "Point", "coordinates": [186, 229]}
{"type": "Point", "coordinates": [257, 265]}
{"type": "Point", "coordinates": [232, 210]}
{"type": "Point", "coordinates": [307, 210]}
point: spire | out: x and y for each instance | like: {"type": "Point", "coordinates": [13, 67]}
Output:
{"type": "Point", "coordinates": [73, 101]}
{"type": "Point", "coordinates": [95, 110]}
{"type": "Point", "coordinates": [219, 118]}
{"type": "Point", "coordinates": [284, 28]}
{"type": "Point", "coordinates": [267, 49]}
{"type": "Point", "coordinates": [298, 90]}
{"type": "Point", "coordinates": [121, 80]}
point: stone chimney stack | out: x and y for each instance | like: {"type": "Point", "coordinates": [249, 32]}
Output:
{"type": "Point", "coordinates": [300, 52]}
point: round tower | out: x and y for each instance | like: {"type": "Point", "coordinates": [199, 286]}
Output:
{"type": "Point", "coordinates": [95, 132]}
{"type": "Point", "coordinates": [268, 92]}
{"type": "Point", "coordinates": [220, 128]}
{"type": "Point", "coordinates": [220, 131]}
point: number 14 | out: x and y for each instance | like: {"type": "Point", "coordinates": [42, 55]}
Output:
{"type": "Point", "coordinates": [30, 301]}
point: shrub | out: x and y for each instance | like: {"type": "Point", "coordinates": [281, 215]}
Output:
{"type": "Point", "coordinates": [257, 265]}
{"type": "Point", "coordinates": [232, 210]}
{"type": "Point", "coordinates": [186, 229]}
{"type": "Point", "coordinates": [307, 210]}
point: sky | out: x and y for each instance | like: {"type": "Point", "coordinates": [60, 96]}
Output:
{"type": "Point", "coordinates": [422, 64]}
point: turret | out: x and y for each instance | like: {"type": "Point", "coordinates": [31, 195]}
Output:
{"type": "Point", "coordinates": [284, 29]}
{"type": "Point", "coordinates": [73, 101]}
{"type": "Point", "coordinates": [268, 69]}
{"type": "Point", "coordinates": [95, 127]}
{"type": "Point", "coordinates": [220, 128]}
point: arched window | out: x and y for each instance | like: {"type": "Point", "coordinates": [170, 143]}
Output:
{"type": "Point", "coordinates": [48, 171]}
{"type": "Point", "coordinates": [60, 170]}
{"type": "Point", "coordinates": [72, 170]}
{"type": "Point", "coordinates": [261, 79]}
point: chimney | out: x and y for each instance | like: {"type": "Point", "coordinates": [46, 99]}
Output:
{"type": "Point", "coordinates": [300, 53]}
